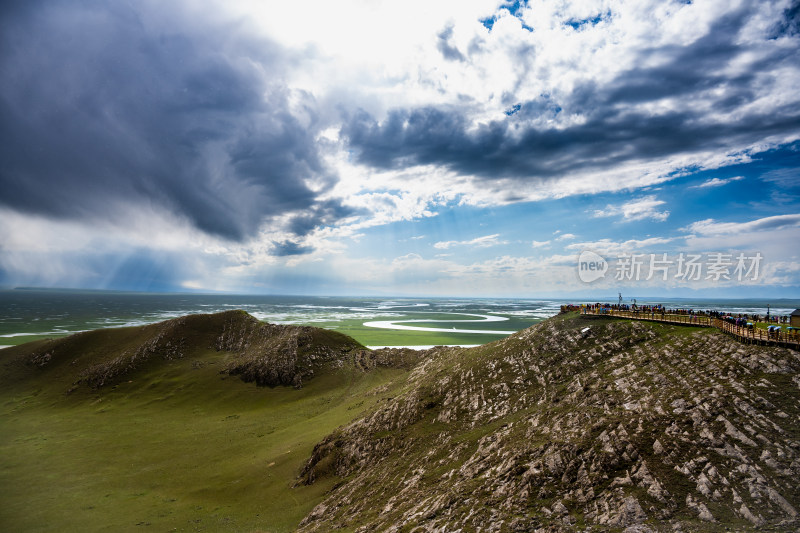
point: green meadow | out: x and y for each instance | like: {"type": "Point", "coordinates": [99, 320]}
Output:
{"type": "Point", "coordinates": [370, 336]}
{"type": "Point", "coordinates": [178, 447]}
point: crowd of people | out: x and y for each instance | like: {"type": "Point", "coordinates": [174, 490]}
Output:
{"type": "Point", "coordinates": [738, 319]}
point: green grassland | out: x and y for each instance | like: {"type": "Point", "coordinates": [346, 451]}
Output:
{"type": "Point", "coordinates": [370, 336]}
{"type": "Point", "coordinates": [176, 446]}
{"type": "Point", "coordinates": [24, 339]}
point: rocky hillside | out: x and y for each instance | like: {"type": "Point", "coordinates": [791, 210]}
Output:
{"type": "Point", "coordinates": [267, 354]}
{"type": "Point", "coordinates": [631, 425]}
{"type": "Point", "coordinates": [627, 426]}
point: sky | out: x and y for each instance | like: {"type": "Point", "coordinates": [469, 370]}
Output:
{"type": "Point", "coordinates": [370, 147]}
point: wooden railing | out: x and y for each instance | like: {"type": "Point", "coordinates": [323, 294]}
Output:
{"type": "Point", "coordinates": [750, 334]}
{"type": "Point", "coordinates": [758, 335]}
{"type": "Point", "coordinates": [688, 320]}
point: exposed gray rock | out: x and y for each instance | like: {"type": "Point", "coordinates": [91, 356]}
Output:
{"type": "Point", "coordinates": [638, 426]}
{"type": "Point", "coordinates": [629, 513]}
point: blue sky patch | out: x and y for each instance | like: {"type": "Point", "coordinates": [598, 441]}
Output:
{"type": "Point", "coordinates": [594, 21]}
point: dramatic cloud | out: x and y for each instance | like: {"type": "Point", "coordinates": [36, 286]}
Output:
{"type": "Point", "coordinates": [252, 145]}
{"type": "Point", "coordinates": [105, 105]}
{"type": "Point", "coordinates": [713, 89]}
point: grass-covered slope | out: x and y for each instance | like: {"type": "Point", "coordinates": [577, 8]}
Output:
{"type": "Point", "coordinates": [145, 428]}
{"type": "Point", "coordinates": [631, 425]}
{"type": "Point", "coordinates": [267, 354]}
{"type": "Point", "coordinates": [649, 426]}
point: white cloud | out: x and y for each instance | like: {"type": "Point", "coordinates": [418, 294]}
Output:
{"type": "Point", "coordinates": [716, 182]}
{"type": "Point", "coordinates": [402, 68]}
{"type": "Point", "coordinates": [132, 228]}
{"type": "Point", "coordinates": [772, 237]}
{"type": "Point", "coordinates": [478, 242]}
{"type": "Point", "coordinates": [788, 177]}
{"type": "Point", "coordinates": [38, 251]}
{"type": "Point", "coordinates": [607, 247]}
{"type": "Point", "coordinates": [711, 227]}
{"type": "Point", "coordinates": [638, 209]}
{"type": "Point", "coordinates": [382, 55]}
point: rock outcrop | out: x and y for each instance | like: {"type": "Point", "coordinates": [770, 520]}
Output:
{"type": "Point", "coordinates": [272, 354]}
{"type": "Point", "coordinates": [641, 426]}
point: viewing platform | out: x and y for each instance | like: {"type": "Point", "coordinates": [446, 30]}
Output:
{"type": "Point", "coordinates": [750, 334]}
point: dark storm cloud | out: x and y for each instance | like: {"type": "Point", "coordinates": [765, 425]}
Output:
{"type": "Point", "coordinates": [322, 214]}
{"type": "Point", "coordinates": [105, 105]}
{"type": "Point", "coordinates": [790, 22]}
{"type": "Point", "coordinates": [614, 132]}
{"type": "Point", "coordinates": [285, 248]}
{"type": "Point", "coordinates": [685, 70]}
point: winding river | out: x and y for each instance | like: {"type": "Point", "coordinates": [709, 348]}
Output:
{"type": "Point", "coordinates": [400, 324]}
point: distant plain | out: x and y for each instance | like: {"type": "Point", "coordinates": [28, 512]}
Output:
{"type": "Point", "coordinates": [31, 314]}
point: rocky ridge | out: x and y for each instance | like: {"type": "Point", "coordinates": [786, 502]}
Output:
{"type": "Point", "coordinates": [267, 354]}
{"type": "Point", "coordinates": [636, 426]}
{"type": "Point", "coordinates": [273, 354]}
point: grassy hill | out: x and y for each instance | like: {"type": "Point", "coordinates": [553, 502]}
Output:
{"type": "Point", "coordinates": [155, 427]}
{"type": "Point", "coordinates": [221, 423]}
